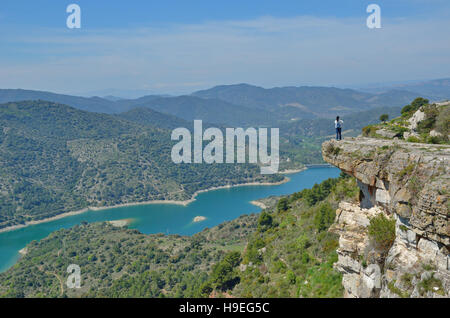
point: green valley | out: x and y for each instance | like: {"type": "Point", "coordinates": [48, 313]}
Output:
{"type": "Point", "coordinates": [56, 159]}
{"type": "Point", "coordinates": [253, 255]}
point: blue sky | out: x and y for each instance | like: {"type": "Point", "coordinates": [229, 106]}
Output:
{"type": "Point", "coordinates": [181, 46]}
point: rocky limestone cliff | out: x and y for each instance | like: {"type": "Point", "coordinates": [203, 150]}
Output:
{"type": "Point", "coordinates": [408, 182]}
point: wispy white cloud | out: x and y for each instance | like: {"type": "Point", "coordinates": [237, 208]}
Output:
{"type": "Point", "coordinates": [266, 51]}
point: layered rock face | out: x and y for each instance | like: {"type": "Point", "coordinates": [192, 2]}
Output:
{"type": "Point", "coordinates": [407, 182]}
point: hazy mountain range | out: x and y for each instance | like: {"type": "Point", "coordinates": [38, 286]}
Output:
{"type": "Point", "coordinates": [244, 104]}
{"type": "Point", "coordinates": [433, 89]}
{"type": "Point", "coordinates": [312, 101]}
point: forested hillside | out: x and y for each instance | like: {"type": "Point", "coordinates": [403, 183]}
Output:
{"type": "Point", "coordinates": [149, 117]}
{"type": "Point", "coordinates": [55, 159]}
{"type": "Point", "coordinates": [292, 252]}
{"type": "Point", "coordinates": [286, 251]}
{"type": "Point", "coordinates": [116, 262]}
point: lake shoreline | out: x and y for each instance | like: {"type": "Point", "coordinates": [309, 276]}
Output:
{"type": "Point", "coordinates": [174, 202]}
{"type": "Point", "coordinates": [258, 204]}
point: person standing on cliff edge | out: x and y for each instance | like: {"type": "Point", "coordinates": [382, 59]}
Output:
{"type": "Point", "coordinates": [338, 125]}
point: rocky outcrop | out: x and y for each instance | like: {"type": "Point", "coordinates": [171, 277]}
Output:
{"type": "Point", "coordinates": [407, 182]}
{"type": "Point", "coordinates": [415, 119]}
{"type": "Point", "coordinates": [351, 224]}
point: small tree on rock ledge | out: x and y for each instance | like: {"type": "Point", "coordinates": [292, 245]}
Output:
{"type": "Point", "coordinates": [384, 118]}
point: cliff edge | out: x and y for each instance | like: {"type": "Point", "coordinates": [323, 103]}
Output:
{"type": "Point", "coordinates": [406, 184]}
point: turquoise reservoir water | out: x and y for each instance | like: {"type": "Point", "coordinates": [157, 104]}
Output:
{"type": "Point", "coordinates": [217, 206]}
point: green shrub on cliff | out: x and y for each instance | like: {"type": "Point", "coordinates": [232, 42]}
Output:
{"type": "Point", "coordinates": [369, 131]}
{"type": "Point", "coordinates": [265, 221]}
{"type": "Point", "coordinates": [224, 275]}
{"type": "Point", "coordinates": [414, 106]}
{"type": "Point", "coordinates": [283, 204]}
{"type": "Point", "coordinates": [443, 121]}
{"type": "Point", "coordinates": [324, 217]}
{"type": "Point", "coordinates": [384, 117]}
{"type": "Point", "coordinates": [382, 231]}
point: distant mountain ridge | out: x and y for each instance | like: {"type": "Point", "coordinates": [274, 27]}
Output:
{"type": "Point", "coordinates": [437, 89]}
{"type": "Point", "coordinates": [209, 110]}
{"type": "Point", "coordinates": [244, 104]}
{"type": "Point", "coordinates": [320, 101]}
{"type": "Point", "coordinates": [92, 104]}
